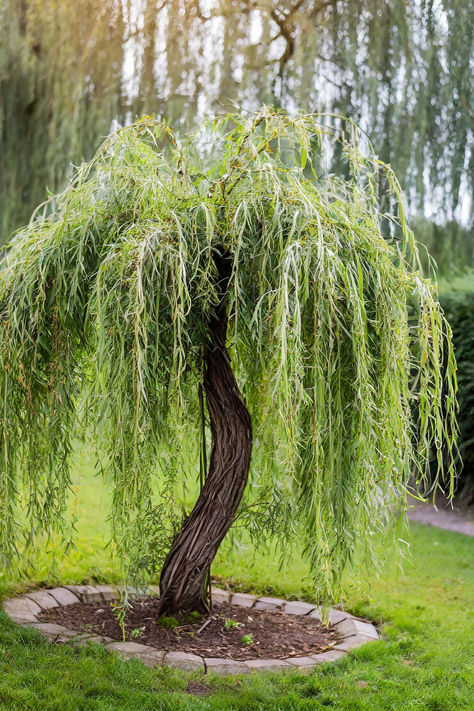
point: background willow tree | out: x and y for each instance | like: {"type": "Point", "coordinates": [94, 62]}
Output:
{"type": "Point", "coordinates": [227, 260]}
{"type": "Point", "coordinates": [401, 69]}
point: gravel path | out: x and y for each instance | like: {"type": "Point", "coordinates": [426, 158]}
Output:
{"type": "Point", "coordinates": [444, 516]}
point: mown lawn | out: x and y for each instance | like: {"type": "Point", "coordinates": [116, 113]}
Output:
{"type": "Point", "coordinates": [424, 660]}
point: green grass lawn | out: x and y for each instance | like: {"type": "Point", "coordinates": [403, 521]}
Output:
{"type": "Point", "coordinates": [423, 661]}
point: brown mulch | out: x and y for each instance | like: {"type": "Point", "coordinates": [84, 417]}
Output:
{"type": "Point", "coordinates": [273, 634]}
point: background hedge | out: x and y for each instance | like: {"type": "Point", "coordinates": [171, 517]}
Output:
{"type": "Point", "coordinates": [459, 309]}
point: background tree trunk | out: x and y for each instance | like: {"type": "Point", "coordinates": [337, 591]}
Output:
{"type": "Point", "coordinates": [183, 576]}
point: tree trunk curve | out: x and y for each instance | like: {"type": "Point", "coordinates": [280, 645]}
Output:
{"type": "Point", "coordinates": [184, 572]}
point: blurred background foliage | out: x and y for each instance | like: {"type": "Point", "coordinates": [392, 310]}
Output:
{"type": "Point", "coordinates": [402, 69]}
{"type": "Point", "coordinates": [70, 70]}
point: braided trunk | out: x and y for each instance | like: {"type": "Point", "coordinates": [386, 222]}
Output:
{"type": "Point", "coordinates": [183, 577]}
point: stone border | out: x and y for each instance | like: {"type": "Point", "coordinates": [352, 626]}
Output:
{"type": "Point", "coordinates": [23, 610]}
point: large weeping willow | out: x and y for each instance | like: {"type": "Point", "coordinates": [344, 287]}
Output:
{"type": "Point", "coordinates": [170, 257]}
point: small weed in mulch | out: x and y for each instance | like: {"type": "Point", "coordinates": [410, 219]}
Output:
{"type": "Point", "coordinates": [230, 632]}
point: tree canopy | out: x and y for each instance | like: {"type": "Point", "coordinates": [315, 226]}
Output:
{"type": "Point", "coordinates": [338, 343]}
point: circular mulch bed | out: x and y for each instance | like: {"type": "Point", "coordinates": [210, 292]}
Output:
{"type": "Point", "coordinates": [244, 634]}
{"type": "Point", "coordinates": [231, 632]}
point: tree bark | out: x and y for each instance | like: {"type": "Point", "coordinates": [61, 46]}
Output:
{"type": "Point", "coordinates": [183, 576]}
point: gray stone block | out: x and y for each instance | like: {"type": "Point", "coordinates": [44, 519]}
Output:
{"type": "Point", "coordinates": [269, 603]}
{"type": "Point", "coordinates": [330, 656]}
{"type": "Point", "coordinates": [225, 666]}
{"type": "Point", "coordinates": [108, 592]}
{"type": "Point", "coordinates": [64, 596]}
{"type": "Point", "coordinates": [22, 607]}
{"type": "Point", "coordinates": [43, 599]}
{"type": "Point", "coordinates": [153, 658]}
{"type": "Point", "coordinates": [78, 590]}
{"type": "Point", "coordinates": [86, 593]}
{"type": "Point", "coordinates": [133, 650]}
{"type": "Point", "coordinates": [53, 632]}
{"type": "Point", "coordinates": [243, 599]}
{"type": "Point", "coordinates": [127, 648]}
{"type": "Point", "coordinates": [353, 642]}
{"type": "Point", "coordinates": [268, 664]}
{"type": "Point", "coordinates": [316, 615]}
{"type": "Point", "coordinates": [301, 661]}
{"type": "Point", "coordinates": [183, 661]}
{"type": "Point", "coordinates": [335, 616]}
{"type": "Point", "coordinates": [220, 596]}
{"type": "Point", "coordinates": [22, 620]}
{"type": "Point", "coordinates": [352, 626]}
{"type": "Point", "coordinates": [298, 608]}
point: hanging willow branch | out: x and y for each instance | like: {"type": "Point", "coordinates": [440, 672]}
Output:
{"type": "Point", "coordinates": [339, 344]}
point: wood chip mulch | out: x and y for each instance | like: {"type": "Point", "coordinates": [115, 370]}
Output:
{"type": "Point", "coordinates": [251, 634]}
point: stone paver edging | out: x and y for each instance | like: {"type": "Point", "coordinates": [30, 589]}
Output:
{"type": "Point", "coordinates": [24, 611]}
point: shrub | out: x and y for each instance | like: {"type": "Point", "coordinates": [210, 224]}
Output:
{"type": "Point", "coordinates": [459, 309]}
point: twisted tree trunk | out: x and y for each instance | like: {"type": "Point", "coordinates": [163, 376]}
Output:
{"type": "Point", "coordinates": [183, 576]}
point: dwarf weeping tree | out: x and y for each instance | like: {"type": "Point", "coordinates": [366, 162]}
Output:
{"type": "Point", "coordinates": [221, 288]}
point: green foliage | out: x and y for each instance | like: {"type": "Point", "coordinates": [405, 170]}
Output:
{"type": "Point", "coordinates": [119, 608]}
{"type": "Point", "coordinates": [230, 624]}
{"type": "Point", "coordinates": [247, 639]}
{"type": "Point", "coordinates": [193, 616]}
{"type": "Point", "coordinates": [340, 346]}
{"type": "Point", "coordinates": [168, 623]}
{"type": "Point", "coordinates": [459, 310]}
